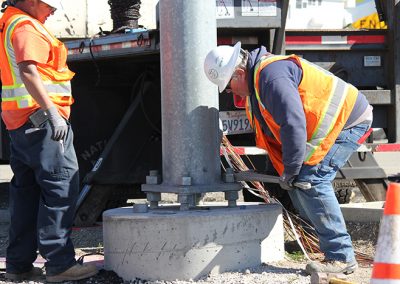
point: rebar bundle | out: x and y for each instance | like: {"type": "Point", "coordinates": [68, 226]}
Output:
{"type": "Point", "coordinates": [125, 14]}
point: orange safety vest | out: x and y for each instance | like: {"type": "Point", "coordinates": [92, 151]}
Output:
{"type": "Point", "coordinates": [327, 103]}
{"type": "Point", "coordinates": [16, 100]}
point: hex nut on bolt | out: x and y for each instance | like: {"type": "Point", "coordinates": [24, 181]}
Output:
{"type": "Point", "coordinates": [228, 178]}
{"type": "Point", "coordinates": [153, 177]}
{"type": "Point", "coordinates": [232, 197]}
{"type": "Point", "coordinates": [186, 181]}
{"type": "Point", "coordinates": [185, 200]}
{"type": "Point", "coordinates": [229, 175]}
{"type": "Point", "coordinates": [140, 208]}
{"type": "Point", "coordinates": [153, 196]}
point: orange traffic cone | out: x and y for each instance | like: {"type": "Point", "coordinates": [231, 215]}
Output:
{"type": "Point", "coordinates": [387, 257]}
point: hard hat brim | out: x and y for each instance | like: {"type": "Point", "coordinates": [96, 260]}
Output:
{"type": "Point", "coordinates": [230, 67]}
{"type": "Point", "coordinates": [54, 3]}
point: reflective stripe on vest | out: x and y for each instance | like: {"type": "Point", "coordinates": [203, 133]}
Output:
{"type": "Point", "coordinates": [329, 115]}
{"type": "Point", "coordinates": [16, 95]}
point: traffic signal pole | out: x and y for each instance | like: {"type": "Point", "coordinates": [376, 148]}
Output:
{"type": "Point", "coordinates": [186, 241]}
{"type": "Point", "coordinates": [190, 134]}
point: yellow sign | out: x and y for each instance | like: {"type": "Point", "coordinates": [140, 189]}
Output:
{"type": "Point", "coordinates": [370, 22]}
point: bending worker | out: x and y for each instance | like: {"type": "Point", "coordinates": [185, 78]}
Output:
{"type": "Point", "coordinates": [36, 99]}
{"type": "Point", "coordinates": [310, 122]}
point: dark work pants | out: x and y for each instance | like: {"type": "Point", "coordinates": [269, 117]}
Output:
{"type": "Point", "coordinates": [43, 195]}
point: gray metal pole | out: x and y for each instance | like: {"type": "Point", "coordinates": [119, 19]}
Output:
{"type": "Point", "coordinates": [392, 11]}
{"type": "Point", "coordinates": [396, 50]}
{"type": "Point", "coordinates": [190, 139]}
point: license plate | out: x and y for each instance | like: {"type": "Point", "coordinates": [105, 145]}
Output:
{"type": "Point", "coordinates": [234, 122]}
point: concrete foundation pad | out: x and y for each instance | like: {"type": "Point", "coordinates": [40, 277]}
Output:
{"type": "Point", "coordinates": [168, 244]}
{"type": "Point", "coordinates": [366, 212]}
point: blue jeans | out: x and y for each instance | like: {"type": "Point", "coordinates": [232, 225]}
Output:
{"type": "Point", "coordinates": [43, 195]}
{"type": "Point", "coordinates": [319, 204]}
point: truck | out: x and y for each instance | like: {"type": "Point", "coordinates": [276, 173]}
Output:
{"type": "Point", "coordinates": [116, 116]}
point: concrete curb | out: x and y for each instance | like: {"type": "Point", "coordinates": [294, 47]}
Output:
{"type": "Point", "coordinates": [365, 212]}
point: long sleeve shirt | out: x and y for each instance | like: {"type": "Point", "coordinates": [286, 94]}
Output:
{"type": "Point", "coordinates": [279, 82]}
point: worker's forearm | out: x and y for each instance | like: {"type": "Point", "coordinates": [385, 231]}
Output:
{"type": "Point", "coordinates": [34, 84]}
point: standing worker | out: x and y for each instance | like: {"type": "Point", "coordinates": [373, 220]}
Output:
{"type": "Point", "coordinates": [36, 99]}
{"type": "Point", "coordinates": [310, 122]}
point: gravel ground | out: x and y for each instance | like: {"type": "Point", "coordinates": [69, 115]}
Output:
{"type": "Point", "coordinates": [290, 270]}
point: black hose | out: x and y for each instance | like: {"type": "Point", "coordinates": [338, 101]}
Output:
{"type": "Point", "coordinates": [96, 66]}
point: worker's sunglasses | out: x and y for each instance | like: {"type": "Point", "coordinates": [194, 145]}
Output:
{"type": "Point", "coordinates": [52, 9]}
{"type": "Point", "coordinates": [228, 88]}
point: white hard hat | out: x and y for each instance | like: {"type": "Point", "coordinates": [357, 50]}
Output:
{"type": "Point", "coordinates": [220, 64]}
{"type": "Point", "coordinates": [53, 3]}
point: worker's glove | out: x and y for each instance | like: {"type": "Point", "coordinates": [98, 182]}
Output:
{"type": "Point", "coordinates": [286, 181]}
{"type": "Point", "coordinates": [58, 124]}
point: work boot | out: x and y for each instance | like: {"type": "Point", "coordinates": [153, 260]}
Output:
{"type": "Point", "coordinates": [76, 272]}
{"type": "Point", "coordinates": [32, 274]}
{"type": "Point", "coordinates": [331, 266]}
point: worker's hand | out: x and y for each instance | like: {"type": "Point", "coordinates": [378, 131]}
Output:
{"type": "Point", "coordinates": [58, 124]}
{"type": "Point", "coordinates": [286, 181]}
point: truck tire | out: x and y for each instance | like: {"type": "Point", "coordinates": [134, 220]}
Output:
{"type": "Point", "coordinates": [93, 205]}
{"type": "Point", "coordinates": [103, 197]}
{"type": "Point", "coordinates": [343, 194]}
{"type": "Point", "coordinates": [343, 190]}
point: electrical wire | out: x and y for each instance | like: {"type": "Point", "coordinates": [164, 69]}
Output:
{"type": "Point", "coordinates": [295, 227]}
